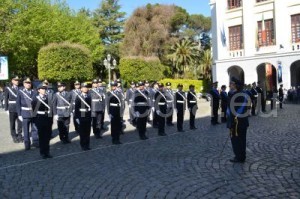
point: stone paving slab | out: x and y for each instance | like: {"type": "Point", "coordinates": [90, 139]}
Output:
{"type": "Point", "coordinates": [180, 165]}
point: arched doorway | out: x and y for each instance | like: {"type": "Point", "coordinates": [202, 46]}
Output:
{"type": "Point", "coordinates": [295, 73]}
{"type": "Point", "coordinates": [237, 72]}
{"type": "Point", "coordinates": [267, 76]}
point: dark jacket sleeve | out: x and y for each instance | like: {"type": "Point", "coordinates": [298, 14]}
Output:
{"type": "Point", "coordinates": [6, 93]}
{"type": "Point", "coordinates": [18, 104]}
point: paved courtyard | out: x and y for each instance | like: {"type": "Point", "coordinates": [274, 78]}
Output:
{"type": "Point", "coordinates": [180, 165]}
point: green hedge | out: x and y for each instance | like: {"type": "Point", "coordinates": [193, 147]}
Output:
{"type": "Point", "coordinates": [137, 69]}
{"type": "Point", "coordinates": [199, 84]}
{"type": "Point", "coordinates": [64, 62]}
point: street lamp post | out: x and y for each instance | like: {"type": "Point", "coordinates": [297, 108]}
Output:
{"type": "Point", "coordinates": [108, 65]}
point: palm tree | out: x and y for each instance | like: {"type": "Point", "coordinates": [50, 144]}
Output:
{"type": "Point", "coordinates": [183, 55]}
{"type": "Point", "coordinates": [206, 64]}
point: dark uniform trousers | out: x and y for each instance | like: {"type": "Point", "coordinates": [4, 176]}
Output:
{"type": "Point", "coordinates": [27, 124]}
{"type": "Point", "coordinates": [141, 125]}
{"type": "Point", "coordinates": [223, 112]}
{"type": "Point", "coordinates": [76, 125]}
{"type": "Point", "coordinates": [238, 140]}
{"type": "Point", "coordinates": [63, 124]}
{"type": "Point", "coordinates": [155, 119]}
{"type": "Point", "coordinates": [116, 127]}
{"type": "Point", "coordinates": [192, 118]}
{"type": "Point", "coordinates": [180, 114]}
{"type": "Point", "coordinates": [44, 127]}
{"type": "Point", "coordinates": [13, 119]}
{"type": "Point", "coordinates": [170, 118]}
{"type": "Point", "coordinates": [85, 132]}
{"type": "Point", "coordinates": [254, 104]}
{"type": "Point", "coordinates": [215, 109]}
{"type": "Point", "coordinates": [161, 124]}
{"type": "Point", "coordinates": [96, 121]}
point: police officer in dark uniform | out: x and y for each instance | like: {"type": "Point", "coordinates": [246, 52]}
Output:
{"type": "Point", "coordinates": [224, 103]}
{"type": "Point", "coordinates": [180, 105]}
{"type": "Point", "coordinates": [141, 109]}
{"type": "Point", "coordinates": [129, 98]}
{"type": "Point", "coordinates": [281, 96]}
{"type": "Point", "coordinates": [153, 91]}
{"type": "Point", "coordinates": [83, 116]}
{"type": "Point", "coordinates": [148, 89]}
{"type": "Point", "coordinates": [238, 120]}
{"type": "Point", "coordinates": [114, 104]}
{"type": "Point", "coordinates": [62, 103]}
{"type": "Point", "coordinates": [215, 95]}
{"type": "Point", "coordinates": [42, 106]}
{"type": "Point", "coordinates": [102, 91]}
{"type": "Point", "coordinates": [76, 91]}
{"type": "Point", "coordinates": [121, 96]}
{"type": "Point", "coordinates": [160, 105]}
{"type": "Point", "coordinates": [261, 95]}
{"type": "Point", "coordinates": [97, 108]}
{"type": "Point", "coordinates": [254, 99]}
{"type": "Point", "coordinates": [192, 106]}
{"type": "Point", "coordinates": [170, 102]}
{"type": "Point", "coordinates": [25, 113]}
{"type": "Point", "coordinates": [10, 97]}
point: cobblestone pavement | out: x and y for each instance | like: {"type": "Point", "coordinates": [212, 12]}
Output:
{"type": "Point", "coordinates": [180, 165]}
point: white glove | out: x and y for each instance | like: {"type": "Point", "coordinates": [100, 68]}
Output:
{"type": "Point", "coordinates": [20, 118]}
{"type": "Point", "coordinates": [157, 112]}
{"type": "Point", "coordinates": [137, 114]}
{"type": "Point", "coordinates": [7, 112]}
{"type": "Point", "coordinates": [190, 109]}
{"type": "Point", "coordinates": [153, 109]}
{"type": "Point", "coordinates": [77, 120]}
{"type": "Point", "coordinates": [71, 114]}
{"type": "Point", "coordinates": [56, 117]}
{"type": "Point", "coordinates": [110, 117]}
{"type": "Point", "coordinates": [176, 110]}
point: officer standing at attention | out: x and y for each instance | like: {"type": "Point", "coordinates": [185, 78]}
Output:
{"type": "Point", "coordinates": [10, 97]}
{"type": "Point", "coordinates": [192, 106]}
{"type": "Point", "coordinates": [102, 91]}
{"type": "Point", "coordinates": [224, 103]}
{"type": "Point", "coordinates": [215, 103]}
{"type": "Point", "coordinates": [170, 102]}
{"type": "Point", "coordinates": [261, 95]}
{"type": "Point", "coordinates": [129, 98]}
{"type": "Point", "coordinates": [141, 109]}
{"type": "Point", "coordinates": [180, 105]}
{"type": "Point", "coordinates": [152, 97]}
{"type": "Point", "coordinates": [25, 113]}
{"type": "Point", "coordinates": [281, 95]}
{"type": "Point", "coordinates": [238, 120]}
{"type": "Point", "coordinates": [76, 91]}
{"type": "Point", "coordinates": [148, 89]}
{"type": "Point", "coordinates": [42, 106]}
{"type": "Point", "coordinates": [254, 99]}
{"type": "Point", "coordinates": [97, 108]}
{"type": "Point", "coordinates": [62, 111]}
{"type": "Point", "coordinates": [121, 95]}
{"type": "Point", "coordinates": [83, 116]}
{"type": "Point", "coordinates": [160, 105]}
{"type": "Point", "coordinates": [114, 111]}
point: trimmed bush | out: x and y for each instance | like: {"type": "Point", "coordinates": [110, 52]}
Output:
{"type": "Point", "coordinates": [199, 84]}
{"type": "Point", "coordinates": [64, 62]}
{"type": "Point", "coordinates": [138, 68]}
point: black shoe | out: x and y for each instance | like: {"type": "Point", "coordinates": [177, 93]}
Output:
{"type": "Point", "coordinates": [235, 160]}
{"type": "Point", "coordinates": [155, 126]}
{"type": "Point", "coordinates": [162, 134]}
{"type": "Point", "coordinates": [170, 124]}
{"type": "Point", "coordinates": [27, 148]}
{"type": "Point", "coordinates": [116, 142]}
{"type": "Point", "coordinates": [49, 156]}
{"type": "Point", "coordinates": [15, 140]}
{"type": "Point", "coordinates": [193, 128]}
{"type": "Point", "coordinates": [181, 131]}
{"type": "Point", "coordinates": [144, 138]}
{"type": "Point", "coordinates": [85, 148]}
{"type": "Point", "coordinates": [36, 145]}
{"type": "Point", "coordinates": [98, 136]}
{"type": "Point", "coordinates": [104, 128]}
{"type": "Point", "coordinates": [44, 156]}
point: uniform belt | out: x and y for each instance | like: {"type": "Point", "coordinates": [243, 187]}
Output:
{"type": "Point", "coordinates": [43, 112]}
{"type": "Point", "coordinates": [74, 103]}
{"type": "Point", "coordinates": [83, 110]}
{"type": "Point", "coordinates": [96, 100]}
{"type": "Point", "coordinates": [193, 102]}
{"type": "Point", "coordinates": [112, 104]}
{"type": "Point", "coordinates": [161, 103]}
{"type": "Point", "coordinates": [141, 103]}
{"type": "Point", "coordinates": [169, 101]}
{"type": "Point", "coordinates": [11, 102]}
{"type": "Point", "coordinates": [255, 95]}
{"type": "Point", "coordinates": [62, 107]}
{"type": "Point", "coordinates": [26, 108]}
{"type": "Point", "coordinates": [130, 100]}
{"type": "Point", "coordinates": [181, 102]}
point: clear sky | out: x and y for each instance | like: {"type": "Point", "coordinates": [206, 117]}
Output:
{"type": "Point", "coordinates": [192, 6]}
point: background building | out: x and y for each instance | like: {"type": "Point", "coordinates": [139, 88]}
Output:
{"type": "Point", "coordinates": [256, 40]}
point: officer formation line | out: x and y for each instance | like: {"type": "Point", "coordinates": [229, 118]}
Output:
{"type": "Point", "coordinates": [32, 112]}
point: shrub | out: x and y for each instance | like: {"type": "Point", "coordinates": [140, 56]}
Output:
{"type": "Point", "coordinates": [64, 62]}
{"type": "Point", "coordinates": [199, 84]}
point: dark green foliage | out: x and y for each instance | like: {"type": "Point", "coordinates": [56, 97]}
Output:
{"type": "Point", "coordinates": [199, 84]}
{"type": "Point", "coordinates": [136, 69]}
{"type": "Point", "coordinates": [64, 62]}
